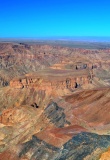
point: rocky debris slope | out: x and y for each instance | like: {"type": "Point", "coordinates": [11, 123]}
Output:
{"type": "Point", "coordinates": [17, 125]}
{"type": "Point", "coordinates": [63, 129]}
{"type": "Point", "coordinates": [90, 146]}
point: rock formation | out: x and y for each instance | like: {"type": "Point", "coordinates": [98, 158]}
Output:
{"type": "Point", "coordinates": [65, 81]}
{"type": "Point", "coordinates": [21, 59]}
{"type": "Point", "coordinates": [54, 102]}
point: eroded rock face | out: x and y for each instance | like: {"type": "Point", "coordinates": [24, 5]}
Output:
{"type": "Point", "coordinates": [66, 81]}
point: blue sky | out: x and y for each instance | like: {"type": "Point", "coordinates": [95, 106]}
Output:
{"type": "Point", "coordinates": [54, 18]}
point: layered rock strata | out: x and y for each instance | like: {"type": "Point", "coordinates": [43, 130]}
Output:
{"type": "Point", "coordinates": [66, 80]}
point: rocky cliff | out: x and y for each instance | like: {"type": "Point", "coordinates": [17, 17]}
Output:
{"type": "Point", "coordinates": [59, 81]}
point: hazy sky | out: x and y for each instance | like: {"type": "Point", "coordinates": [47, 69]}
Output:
{"type": "Point", "coordinates": [46, 18]}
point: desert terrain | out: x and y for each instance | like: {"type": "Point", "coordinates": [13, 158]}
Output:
{"type": "Point", "coordinates": [54, 101]}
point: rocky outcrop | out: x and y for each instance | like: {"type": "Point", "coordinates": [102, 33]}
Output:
{"type": "Point", "coordinates": [56, 115]}
{"type": "Point", "coordinates": [57, 82]}
{"type": "Point", "coordinates": [69, 83]}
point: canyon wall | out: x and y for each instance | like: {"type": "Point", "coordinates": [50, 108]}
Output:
{"type": "Point", "coordinates": [62, 83]}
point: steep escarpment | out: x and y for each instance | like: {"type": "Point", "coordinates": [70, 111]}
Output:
{"type": "Point", "coordinates": [61, 80]}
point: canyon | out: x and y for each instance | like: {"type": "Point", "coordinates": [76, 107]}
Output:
{"type": "Point", "coordinates": [54, 102]}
